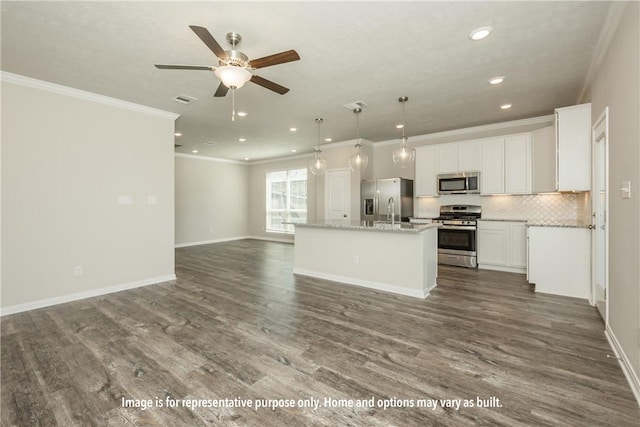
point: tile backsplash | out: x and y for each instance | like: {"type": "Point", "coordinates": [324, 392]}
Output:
{"type": "Point", "coordinates": [547, 207]}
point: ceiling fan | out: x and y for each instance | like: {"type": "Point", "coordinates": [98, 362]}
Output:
{"type": "Point", "coordinates": [235, 67]}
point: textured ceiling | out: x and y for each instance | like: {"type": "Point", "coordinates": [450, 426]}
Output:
{"type": "Point", "coordinates": [350, 51]}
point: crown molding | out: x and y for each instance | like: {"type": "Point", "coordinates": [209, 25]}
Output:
{"type": "Point", "coordinates": [210, 159]}
{"type": "Point", "coordinates": [17, 79]}
{"type": "Point", "coordinates": [614, 16]}
{"type": "Point", "coordinates": [466, 131]}
{"type": "Point", "coordinates": [282, 159]}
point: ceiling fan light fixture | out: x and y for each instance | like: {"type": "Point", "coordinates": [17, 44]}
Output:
{"type": "Point", "coordinates": [233, 77]}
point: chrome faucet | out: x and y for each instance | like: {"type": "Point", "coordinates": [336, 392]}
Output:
{"type": "Point", "coordinates": [391, 211]}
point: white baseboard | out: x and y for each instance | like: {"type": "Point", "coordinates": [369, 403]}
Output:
{"type": "Point", "coordinates": [416, 293]}
{"type": "Point", "coordinates": [270, 239]}
{"type": "Point", "coordinates": [627, 367]}
{"type": "Point", "coordinates": [47, 302]}
{"type": "Point", "coordinates": [518, 270]}
{"type": "Point", "coordinates": [207, 242]}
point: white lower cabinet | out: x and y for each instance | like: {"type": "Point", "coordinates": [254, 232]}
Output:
{"type": "Point", "coordinates": [502, 245]}
{"type": "Point", "coordinates": [560, 260]}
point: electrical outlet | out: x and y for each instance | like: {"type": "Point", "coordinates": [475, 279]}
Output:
{"type": "Point", "coordinates": [78, 270]}
{"type": "Point", "coordinates": [356, 259]}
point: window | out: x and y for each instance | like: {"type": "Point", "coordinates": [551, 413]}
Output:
{"type": "Point", "coordinates": [286, 199]}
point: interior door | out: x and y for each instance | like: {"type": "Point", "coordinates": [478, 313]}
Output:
{"type": "Point", "coordinates": [337, 193]}
{"type": "Point", "coordinates": [600, 205]}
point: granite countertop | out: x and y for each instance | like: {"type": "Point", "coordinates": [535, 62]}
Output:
{"type": "Point", "coordinates": [558, 223]}
{"type": "Point", "coordinates": [561, 223]}
{"type": "Point", "coordinates": [399, 227]}
{"type": "Point", "coordinates": [503, 219]}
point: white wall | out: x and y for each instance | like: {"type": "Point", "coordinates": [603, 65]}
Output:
{"type": "Point", "coordinates": [212, 201]}
{"type": "Point", "coordinates": [67, 156]}
{"type": "Point", "coordinates": [617, 86]}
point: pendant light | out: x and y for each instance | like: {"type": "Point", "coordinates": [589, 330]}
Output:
{"type": "Point", "coordinates": [403, 155]}
{"type": "Point", "coordinates": [358, 161]}
{"type": "Point", "coordinates": [318, 165]}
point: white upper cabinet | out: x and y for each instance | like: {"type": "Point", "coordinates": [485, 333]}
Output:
{"type": "Point", "coordinates": [492, 174]}
{"type": "Point", "coordinates": [448, 157]}
{"type": "Point", "coordinates": [459, 156]}
{"type": "Point", "coordinates": [543, 160]}
{"type": "Point", "coordinates": [517, 164]}
{"type": "Point", "coordinates": [506, 165]}
{"type": "Point", "coordinates": [426, 171]}
{"type": "Point", "coordinates": [561, 155]}
{"type": "Point", "coordinates": [469, 155]}
{"type": "Point", "coordinates": [573, 145]}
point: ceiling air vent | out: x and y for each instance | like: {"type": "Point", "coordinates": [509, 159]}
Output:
{"type": "Point", "coordinates": [356, 104]}
{"type": "Point", "coordinates": [184, 99]}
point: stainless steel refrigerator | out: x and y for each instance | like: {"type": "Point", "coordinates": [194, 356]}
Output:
{"type": "Point", "coordinates": [379, 196]}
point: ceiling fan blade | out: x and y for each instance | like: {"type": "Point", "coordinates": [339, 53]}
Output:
{"type": "Point", "coordinates": [269, 84]}
{"type": "Point", "coordinates": [208, 39]}
{"type": "Point", "coordinates": [185, 67]}
{"type": "Point", "coordinates": [275, 59]}
{"type": "Point", "coordinates": [222, 90]}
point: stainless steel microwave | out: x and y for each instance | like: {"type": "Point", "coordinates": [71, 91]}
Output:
{"type": "Point", "coordinates": [459, 183]}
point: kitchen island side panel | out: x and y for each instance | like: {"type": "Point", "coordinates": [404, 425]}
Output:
{"type": "Point", "coordinates": [403, 263]}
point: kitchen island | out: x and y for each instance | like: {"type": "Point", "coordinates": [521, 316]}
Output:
{"type": "Point", "coordinates": [399, 258]}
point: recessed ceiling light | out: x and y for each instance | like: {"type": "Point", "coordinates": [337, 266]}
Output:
{"type": "Point", "coordinates": [400, 126]}
{"type": "Point", "coordinates": [242, 139]}
{"type": "Point", "coordinates": [496, 80]}
{"type": "Point", "coordinates": [177, 134]}
{"type": "Point", "coordinates": [480, 33]}
{"type": "Point", "coordinates": [246, 158]}
{"type": "Point", "coordinates": [505, 106]}
{"type": "Point", "coordinates": [194, 151]}
{"type": "Point", "coordinates": [328, 139]}
{"type": "Point", "coordinates": [293, 151]}
{"type": "Point", "coordinates": [242, 113]}
{"type": "Point", "coordinates": [293, 129]}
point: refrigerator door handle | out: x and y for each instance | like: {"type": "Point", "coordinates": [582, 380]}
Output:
{"type": "Point", "coordinates": [375, 206]}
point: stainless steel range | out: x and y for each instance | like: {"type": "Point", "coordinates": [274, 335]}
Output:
{"type": "Point", "coordinates": [457, 236]}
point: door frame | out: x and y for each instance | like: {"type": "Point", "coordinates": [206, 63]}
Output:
{"type": "Point", "coordinates": [327, 192]}
{"type": "Point", "coordinates": [600, 129]}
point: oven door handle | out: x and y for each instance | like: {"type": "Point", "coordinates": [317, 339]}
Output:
{"type": "Point", "coordinates": [458, 227]}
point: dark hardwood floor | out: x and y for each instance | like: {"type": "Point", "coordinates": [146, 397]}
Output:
{"type": "Point", "coordinates": [238, 324]}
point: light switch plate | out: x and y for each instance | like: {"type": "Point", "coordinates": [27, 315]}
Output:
{"type": "Point", "coordinates": [125, 200]}
{"type": "Point", "coordinates": [625, 190]}
{"type": "Point", "coordinates": [152, 200]}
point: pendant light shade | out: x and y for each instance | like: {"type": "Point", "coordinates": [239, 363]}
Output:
{"type": "Point", "coordinates": [358, 161]}
{"type": "Point", "coordinates": [403, 155]}
{"type": "Point", "coordinates": [318, 165]}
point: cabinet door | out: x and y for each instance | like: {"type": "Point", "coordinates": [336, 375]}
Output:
{"type": "Point", "coordinates": [517, 244]}
{"type": "Point", "coordinates": [426, 171]}
{"type": "Point", "coordinates": [492, 176]}
{"type": "Point", "coordinates": [517, 164]}
{"type": "Point", "coordinates": [573, 134]}
{"type": "Point", "coordinates": [448, 158]}
{"type": "Point", "coordinates": [469, 153]}
{"type": "Point", "coordinates": [492, 243]}
{"type": "Point", "coordinates": [543, 160]}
